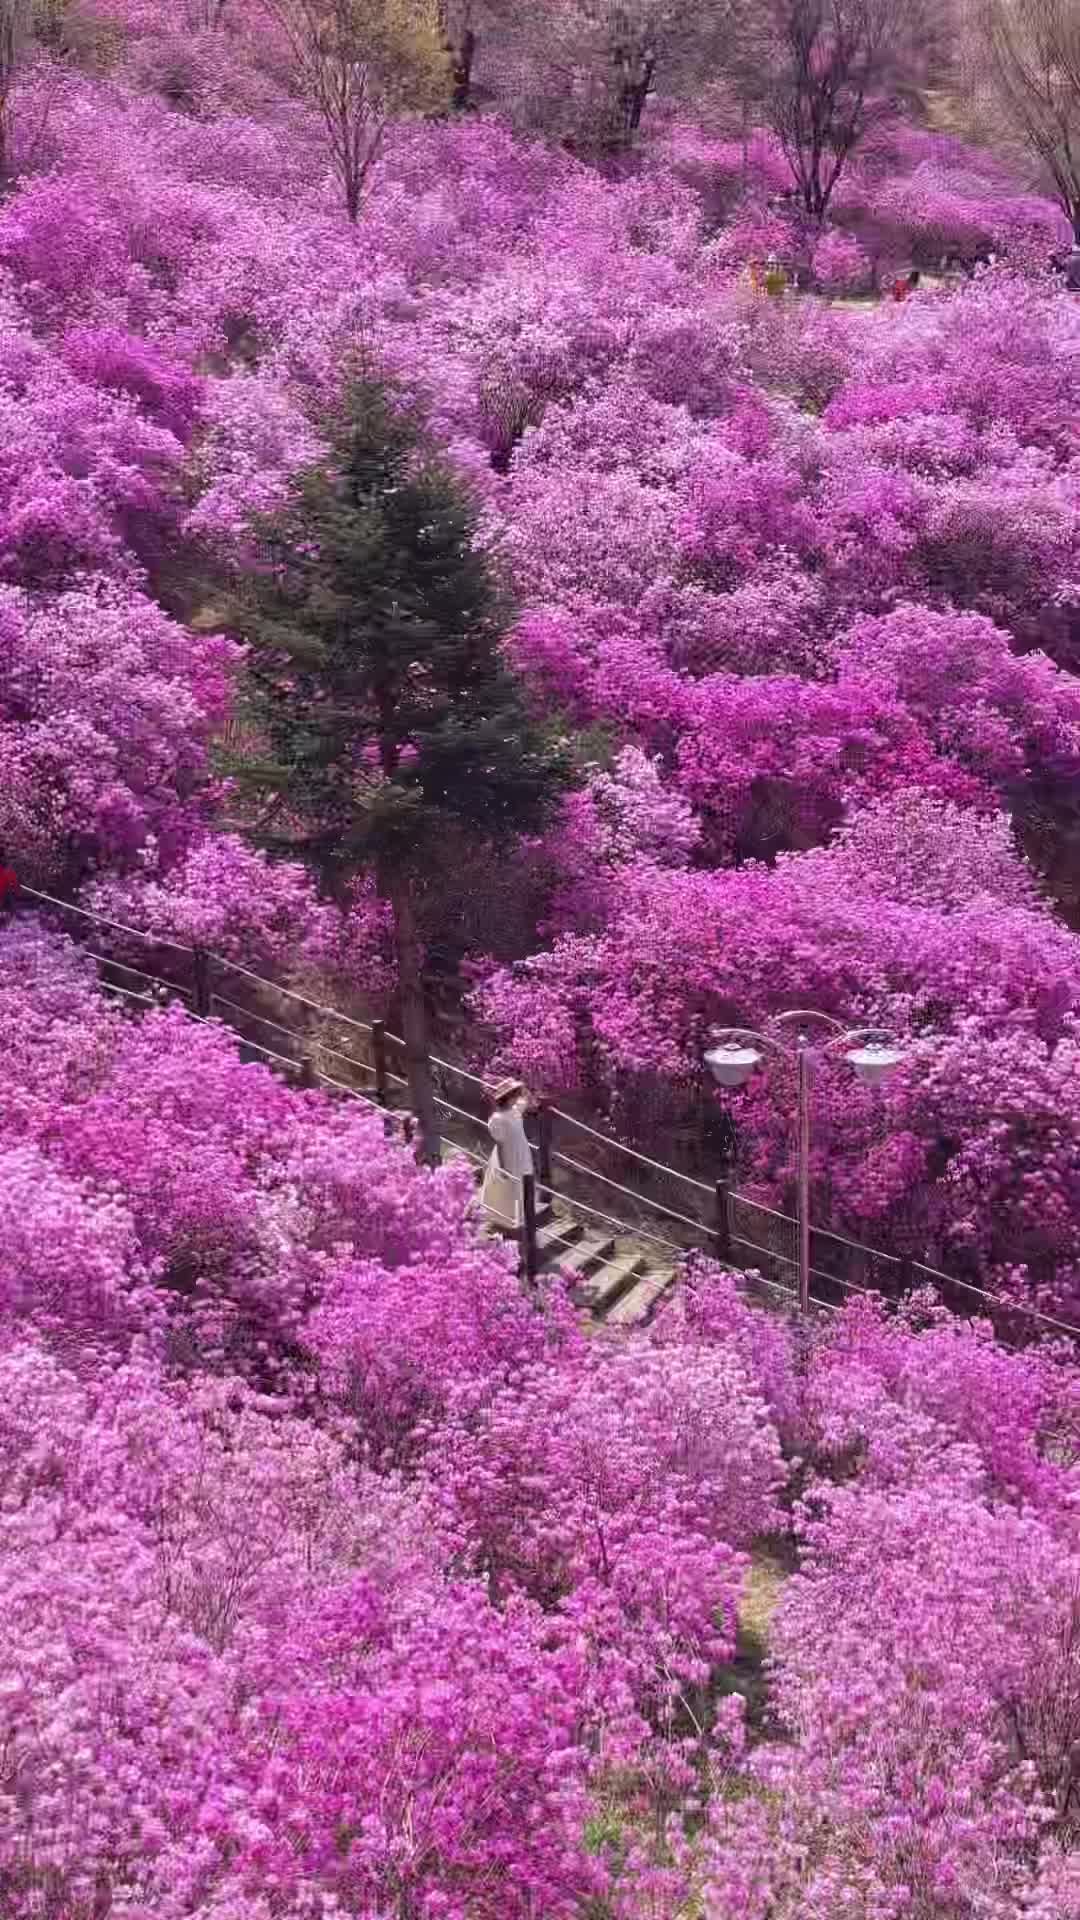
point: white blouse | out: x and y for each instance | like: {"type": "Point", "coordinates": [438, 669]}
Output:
{"type": "Point", "coordinates": [507, 1129]}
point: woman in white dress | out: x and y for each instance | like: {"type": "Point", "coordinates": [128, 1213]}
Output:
{"type": "Point", "coordinates": [502, 1194]}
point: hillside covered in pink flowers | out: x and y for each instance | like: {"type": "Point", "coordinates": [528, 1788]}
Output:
{"type": "Point", "coordinates": [340, 1579]}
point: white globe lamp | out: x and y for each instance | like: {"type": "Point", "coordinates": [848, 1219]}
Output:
{"type": "Point", "coordinates": [874, 1063]}
{"type": "Point", "coordinates": [731, 1065]}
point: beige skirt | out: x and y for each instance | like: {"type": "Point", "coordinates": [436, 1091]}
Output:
{"type": "Point", "coordinates": [502, 1196]}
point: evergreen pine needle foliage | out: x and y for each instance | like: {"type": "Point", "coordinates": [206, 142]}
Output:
{"type": "Point", "coordinates": [389, 722]}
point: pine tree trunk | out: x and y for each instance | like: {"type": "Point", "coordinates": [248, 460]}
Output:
{"type": "Point", "coordinates": [639, 93]}
{"type": "Point", "coordinates": [414, 1019]}
{"type": "Point", "coordinates": [461, 66]}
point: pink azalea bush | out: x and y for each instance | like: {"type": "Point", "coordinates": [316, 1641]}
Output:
{"type": "Point", "coordinates": [225, 897]}
{"type": "Point", "coordinates": [840, 264]}
{"type": "Point", "coordinates": [923, 1657]}
{"type": "Point", "coordinates": [926, 1758]}
{"type": "Point", "coordinates": [337, 1576]}
{"type": "Point", "coordinates": [307, 1477]}
{"type": "Point", "coordinates": [93, 451]}
{"type": "Point", "coordinates": [106, 713]}
{"type": "Point", "coordinates": [986, 991]}
{"type": "Point", "coordinates": [220, 1298]}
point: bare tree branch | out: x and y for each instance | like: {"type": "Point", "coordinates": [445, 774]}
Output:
{"type": "Point", "coordinates": [1024, 61]}
{"type": "Point", "coordinates": [593, 64]}
{"type": "Point", "coordinates": [361, 63]}
{"type": "Point", "coordinates": [823, 71]}
{"type": "Point", "coordinates": [15, 22]}
{"type": "Point", "coordinates": [207, 15]}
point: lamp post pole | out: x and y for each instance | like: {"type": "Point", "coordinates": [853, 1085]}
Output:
{"type": "Point", "coordinates": [804, 1172]}
{"type": "Point", "coordinates": [735, 1053]}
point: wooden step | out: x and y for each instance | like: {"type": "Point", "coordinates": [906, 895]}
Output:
{"type": "Point", "coordinates": [603, 1288]}
{"type": "Point", "coordinates": [556, 1236]}
{"type": "Point", "coordinates": [635, 1307]}
{"type": "Point", "coordinates": [590, 1251]}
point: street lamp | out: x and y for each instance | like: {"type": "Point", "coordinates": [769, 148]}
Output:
{"type": "Point", "coordinates": [736, 1052]}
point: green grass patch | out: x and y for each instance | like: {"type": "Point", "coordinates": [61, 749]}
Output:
{"type": "Point", "coordinates": [746, 1674]}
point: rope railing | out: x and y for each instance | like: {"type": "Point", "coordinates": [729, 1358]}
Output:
{"type": "Point", "coordinates": [995, 1300]}
{"type": "Point", "coordinates": [777, 1286]}
{"type": "Point", "coordinates": [248, 1013]}
{"type": "Point", "coordinates": [101, 920]}
{"type": "Point", "coordinates": [611, 1220]}
{"type": "Point", "coordinates": [291, 993]}
{"type": "Point", "coordinates": [361, 1066]}
{"type": "Point", "coordinates": [570, 1120]}
{"type": "Point", "coordinates": [137, 973]}
{"type": "Point", "coordinates": [129, 993]}
{"type": "Point", "coordinates": [840, 1240]}
{"type": "Point", "coordinates": [655, 1206]}
{"type": "Point", "coordinates": [632, 1153]}
{"type": "Point", "coordinates": [720, 1236]}
{"type": "Point", "coordinates": [268, 1053]}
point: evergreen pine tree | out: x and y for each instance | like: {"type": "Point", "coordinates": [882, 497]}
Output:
{"type": "Point", "coordinates": [389, 728]}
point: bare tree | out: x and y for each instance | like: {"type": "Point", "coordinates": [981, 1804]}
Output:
{"type": "Point", "coordinates": [628, 41]}
{"type": "Point", "coordinates": [822, 72]}
{"type": "Point", "coordinates": [1043, 1717]}
{"type": "Point", "coordinates": [206, 16]}
{"type": "Point", "coordinates": [595, 63]}
{"type": "Point", "coordinates": [15, 22]}
{"type": "Point", "coordinates": [1024, 63]}
{"type": "Point", "coordinates": [465, 25]}
{"type": "Point", "coordinates": [459, 22]}
{"type": "Point", "coordinates": [361, 63]}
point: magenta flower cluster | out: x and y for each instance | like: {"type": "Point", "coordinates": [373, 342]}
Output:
{"type": "Point", "coordinates": [338, 1579]}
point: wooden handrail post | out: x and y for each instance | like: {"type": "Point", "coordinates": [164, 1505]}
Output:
{"type": "Point", "coordinates": [545, 1127]}
{"type": "Point", "coordinates": [721, 1232]}
{"type": "Point", "coordinates": [200, 966]}
{"type": "Point", "coordinates": [530, 1253]}
{"type": "Point", "coordinates": [729, 1146]}
{"type": "Point", "coordinates": [378, 1047]}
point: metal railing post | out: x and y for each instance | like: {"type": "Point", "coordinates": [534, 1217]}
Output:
{"type": "Point", "coordinates": [530, 1253]}
{"type": "Point", "coordinates": [378, 1048]}
{"type": "Point", "coordinates": [200, 965]}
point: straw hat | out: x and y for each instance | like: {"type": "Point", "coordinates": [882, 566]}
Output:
{"type": "Point", "coordinates": [505, 1088]}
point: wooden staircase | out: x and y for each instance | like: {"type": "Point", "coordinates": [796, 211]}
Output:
{"type": "Point", "coordinates": [618, 1270]}
{"type": "Point", "coordinates": [612, 1274]}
